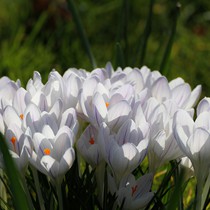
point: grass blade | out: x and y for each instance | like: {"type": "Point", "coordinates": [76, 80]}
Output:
{"type": "Point", "coordinates": [122, 34]}
{"type": "Point", "coordinates": [81, 31]}
{"type": "Point", "coordinates": [120, 61]}
{"type": "Point", "coordinates": [19, 196]}
{"type": "Point", "coordinates": [146, 34]}
{"type": "Point", "coordinates": [167, 52]}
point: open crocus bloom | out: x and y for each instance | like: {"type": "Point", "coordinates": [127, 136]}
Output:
{"type": "Point", "coordinates": [132, 194]}
{"type": "Point", "coordinates": [100, 103]}
{"type": "Point", "coordinates": [194, 139]}
{"type": "Point", "coordinates": [88, 146]}
{"type": "Point", "coordinates": [52, 137]}
{"type": "Point", "coordinates": [19, 145]}
{"type": "Point", "coordinates": [126, 149]}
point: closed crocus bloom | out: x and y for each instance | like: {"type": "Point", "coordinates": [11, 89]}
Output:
{"type": "Point", "coordinates": [177, 90]}
{"type": "Point", "coordinates": [163, 146]}
{"type": "Point", "coordinates": [14, 113]}
{"type": "Point", "coordinates": [194, 140]}
{"type": "Point", "coordinates": [135, 194]}
{"type": "Point", "coordinates": [124, 150]}
{"type": "Point", "coordinates": [73, 81]}
{"type": "Point", "coordinates": [8, 89]}
{"type": "Point", "coordinates": [34, 85]}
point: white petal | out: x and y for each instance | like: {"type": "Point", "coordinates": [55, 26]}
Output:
{"type": "Point", "coordinates": [118, 113]}
{"type": "Point", "coordinates": [203, 120]}
{"type": "Point", "coordinates": [200, 142]}
{"type": "Point", "coordinates": [67, 161]}
{"type": "Point", "coordinates": [161, 90]}
{"type": "Point", "coordinates": [99, 108]}
{"type": "Point", "coordinates": [195, 95]}
{"type": "Point", "coordinates": [181, 94]}
{"type": "Point", "coordinates": [204, 105]}
{"type": "Point", "coordinates": [11, 116]}
{"type": "Point", "coordinates": [176, 82]}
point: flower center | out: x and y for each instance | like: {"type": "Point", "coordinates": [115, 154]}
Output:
{"type": "Point", "coordinates": [13, 140]}
{"type": "Point", "coordinates": [133, 190]}
{"type": "Point", "coordinates": [47, 151]}
{"type": "Point", "coordinates": [92, 141]}
{"type": "Point", "coordinates": [21, 116]}
{"type": "Point", "coordinates": [107, 104]}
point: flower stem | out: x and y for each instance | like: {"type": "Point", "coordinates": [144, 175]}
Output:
{"type": "Point", "coordinates": [59, 194]}
{"type": "Point", "coordinates": [27, 192]}
{"type": "Point", "coordinates": [38, 189]}
{"type": "Point", "coordinates": [198, 196]}
{"type": "Point", "coordinates": [205, 191]}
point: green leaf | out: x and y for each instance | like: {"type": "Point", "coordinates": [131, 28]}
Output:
{"type": "Point", "coordinates": [167, 52]}
{"type": "Point", "coordinates": [19, 196]}
{"type": "Point", "coordinates": [81, 31]}
{"type": "Point", "coordinates": [120, 61]}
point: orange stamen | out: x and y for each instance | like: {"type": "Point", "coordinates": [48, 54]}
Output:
{"type": "Point", "coordinates": [133, 190]}
{"type": "Point", "coordinates": [47, 151]}
{"type": "Point", "coordinates": [13, 140]}
{"type": "Point", "coordinates": [21, 116]}
{"type": "Point", "coordinates": [107, 104]}
{"type": "Point", "coordinates": [91, 141]}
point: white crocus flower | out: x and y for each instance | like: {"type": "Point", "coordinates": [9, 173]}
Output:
{"type": "Point", "coordinates": [194, 140]}
{"type": "Point", "coordinates": [14, 113]}
{"type": "Point", "coordinates": [101, 104]}
{"type": "Point", "coordinates": [126, 149]}
{"type": "Point", "coordinates": [8, 89]}
{"type": "Point", "coordinates": [163, 146]}
{"type": "Point", "coordinates": [19, 145]}
{"type": "Point", "coordinates": [34, 85]}
{"type": "Point", "coordinates": [88, 146]}
{"type": "Point", "coordinates": [52, 136]}
{"type": "Point", "coordinates": [132, 194]}
{"type": "Point", "coordinates": [176, 90]}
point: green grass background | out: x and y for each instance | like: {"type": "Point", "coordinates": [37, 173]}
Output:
{"type": "Point", "coordinates": [41, 35]}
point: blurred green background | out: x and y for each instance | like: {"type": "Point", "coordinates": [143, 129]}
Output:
{"type": "Point", "coordinates": [41, 35]}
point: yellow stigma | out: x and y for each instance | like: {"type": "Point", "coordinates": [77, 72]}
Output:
{"type": "Point", "coordinates": [21, 116]}
{"type": "Point", "coordinates": [107, 104]}
{"type": "Point", "coordinates": [92, 141]}
{"type": "Point", "coordinates": [47, 151]}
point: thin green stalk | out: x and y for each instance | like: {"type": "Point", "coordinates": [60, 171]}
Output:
{"type": "Point", "coordinates": [59, 194]}
{"type": "Point", "coordinates": [167, 52]}
{"type": "Point", "coordinates": [198, 196]}
{"type": "Point", "coordinates": [205, 192]}
{"type": "Point", "coordinates": [122, 29]}
{"type": "Point", "coordinates": [120, 61]}
{"type": "Point", "coordinates": [38, 189]}
{"type": "Point", "coordinates": [81, 31]}
{"type": "Point", "coordinates": [27, 192]}
{"type": "Point", "coordinates": [146, 34]}
{"type": "Point", "coordinates": [105, 188]}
